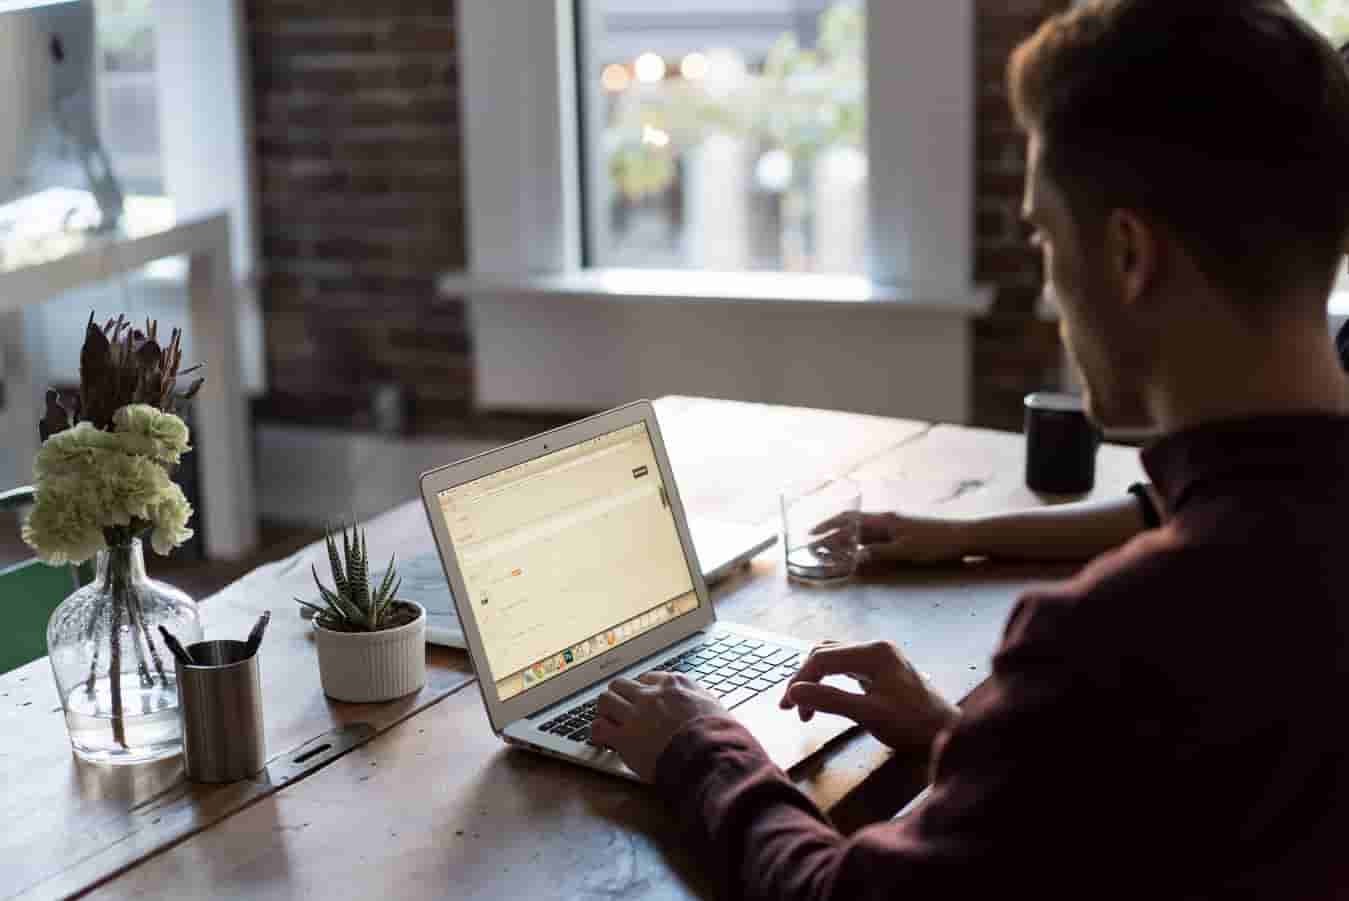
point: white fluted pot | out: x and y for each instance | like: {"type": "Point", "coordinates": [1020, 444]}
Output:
{"type": "Point", "coordinates": [363, 667]}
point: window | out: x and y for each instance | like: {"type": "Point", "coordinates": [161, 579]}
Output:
{"type": "Point", "coordinates": [1331, 18]}
{"type": "Point", "coordinates": [725, 134]}
{"type": "Point", "coordinates": [520, 85]}
{"type": "Point", "coordinates": [128, 107]}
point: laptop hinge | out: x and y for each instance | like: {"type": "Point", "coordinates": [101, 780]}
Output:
{"type": "Point", "coordinates": [570, 700]}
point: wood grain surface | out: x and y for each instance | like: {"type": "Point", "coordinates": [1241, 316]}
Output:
{"type": "Point", "coordinates": [68, 824]}
{"type": "Point", "coordinates": [436, 806]}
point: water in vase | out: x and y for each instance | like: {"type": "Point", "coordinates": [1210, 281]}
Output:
{"type": "Point", "coordinates": [151, 728]}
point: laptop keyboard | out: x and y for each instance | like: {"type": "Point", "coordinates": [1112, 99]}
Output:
{"type": "Point", "coordinates": [733, 668]}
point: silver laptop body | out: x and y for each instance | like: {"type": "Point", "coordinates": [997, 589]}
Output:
{"type": "Point", "coordinates": [570, 561]}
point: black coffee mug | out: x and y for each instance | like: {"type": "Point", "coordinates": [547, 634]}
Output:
{"type": "Point", "coordinates": [1061, 444]}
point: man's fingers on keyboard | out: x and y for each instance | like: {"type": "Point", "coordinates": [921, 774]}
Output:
{"type": "Point", "coordinates": [603, 730]}
{"type": "Point", "coordinates": [655, 677]}
{"type": "Point", "coordinates": [833, 660]}
{"type": "Point", "coordinates": [801, 676]}
{"type": "Point", "coordinates": [626, 689]}
{"type": "Point", "coordinates": [614, 707]}
{"type": "Point", "coordinates": [811, 671]}
{"type": "Point", "coordinates": [830, 700]}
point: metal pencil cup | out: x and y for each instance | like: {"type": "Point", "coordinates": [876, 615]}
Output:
{"type": "Point", "coordinates": [220, 703]}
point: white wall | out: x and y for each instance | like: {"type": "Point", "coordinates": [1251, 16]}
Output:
{"type": "Point", "coordinates": [538, 352]}
{"type": "Point", "coordinates": [206, 118]}
{"type": "Point", "coordinates": [517, 87]}
{"type": "Point", "coordinates": [315, 477]}
{"type": "Point", "coordinates": [920, 134]}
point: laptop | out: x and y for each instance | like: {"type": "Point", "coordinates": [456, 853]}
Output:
{"type": "Point", "coordinates": [722, 548]}
{"type": "Point", "coordinates": [571, 562]}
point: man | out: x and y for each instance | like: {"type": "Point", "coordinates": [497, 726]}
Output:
{"type": "Point", "coordinates": [1168, 723]}
{"type": "Point", "coordinates": [1074, 531]}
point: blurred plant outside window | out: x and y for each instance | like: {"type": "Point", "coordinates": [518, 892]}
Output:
{"type": "Point", "coordinates": [128, 108]}
{"type": "Point", "coordinates": [736, 141]}
{"type": "Point", "coordinates": [1331, 18]}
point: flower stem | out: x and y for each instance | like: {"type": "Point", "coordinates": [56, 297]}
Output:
{"type": "Point", "coordinates": [115, 672]}
{"type": "Point", "coordinates": [136, 620]}
{"type": "Point", "coordinates": [137, 604]}
{"type": "Point", "coordinates": [95, 623]}
{"type": "Point", "coordinates": [119, 587]}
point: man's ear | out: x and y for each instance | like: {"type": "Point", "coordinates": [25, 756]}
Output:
{"type": "Point", "coordinates": [1132, 253]}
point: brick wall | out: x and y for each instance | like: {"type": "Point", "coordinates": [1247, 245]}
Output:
{"type": "Point", "coordinates": [357, 116]}
{"type": "Point", "coordinates": [361, 207]}
{"type": "Point", "coordinates": [1014, 352]}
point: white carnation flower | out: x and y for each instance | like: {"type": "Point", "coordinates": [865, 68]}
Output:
{"type": "Point", "coordinates": [63, 529]}
{"type": "Point", "coordinates": [167, 433]}
{"type": "Point", "coordinates": [89, 480]}
{"type": "Point", "coordinates": [169, 518]}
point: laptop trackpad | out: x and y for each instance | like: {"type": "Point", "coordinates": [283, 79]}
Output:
{"type": "Point", "coordinates": [787, 740]}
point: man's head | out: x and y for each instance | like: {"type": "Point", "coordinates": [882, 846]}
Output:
{"type": "Point", "coordinates": [1187, 160]}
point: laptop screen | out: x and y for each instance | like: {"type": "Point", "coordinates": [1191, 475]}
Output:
{"type": "Point", "coordinates": [568, 556]}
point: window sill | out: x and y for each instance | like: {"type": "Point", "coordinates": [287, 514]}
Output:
{"type": "Point", "coordinates": [786, 290]}
{"type": "Point", "coordinates": [1339, 309]}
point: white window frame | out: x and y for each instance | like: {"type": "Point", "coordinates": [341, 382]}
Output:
{"type": "Point", "coordinates": [521, 112]}
{"type": "Point", "coordinates": [552, 335]}
{"type": "Point", "coordinates": [205, 111]}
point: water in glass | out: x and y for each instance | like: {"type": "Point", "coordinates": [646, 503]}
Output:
{"type": "Point", "coordinates": [820, 532]}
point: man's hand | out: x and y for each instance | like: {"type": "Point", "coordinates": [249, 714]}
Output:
{"type": "Point", "coordinates": [897, 705]}
{"type": "Point", "coordinates": [639, 719]}
{"type": "Point", "coordinates": [886, 538]}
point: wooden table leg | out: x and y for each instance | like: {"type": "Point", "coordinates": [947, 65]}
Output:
{"type": "Point", "coordinates": [223, 438]}
{"type": "Point", "coordinates": [24, 374]}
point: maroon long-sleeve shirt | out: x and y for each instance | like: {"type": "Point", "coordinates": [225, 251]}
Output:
{"type": "Point", "coordinates": [1170, 723]}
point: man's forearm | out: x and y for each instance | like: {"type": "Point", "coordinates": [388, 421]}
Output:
{"type": "Point", "coordinates": [766, 840]}
{"type": "Point", "coordinates": [1076, 531]}
{"type": "Point", "coordinates": [763, 838]}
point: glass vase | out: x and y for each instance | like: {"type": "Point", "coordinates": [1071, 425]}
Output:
{"type": "Point", "coordinates": [115, 676]}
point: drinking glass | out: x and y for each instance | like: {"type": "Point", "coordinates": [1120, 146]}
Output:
{"type": "Point", "coordinates": [820, 532]}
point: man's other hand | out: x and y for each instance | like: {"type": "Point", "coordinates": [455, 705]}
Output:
{"type": "Point", "coordinates": [886, 539]}
{"type": "Point", "coordinates": [896, 704]}
{"type": "Point", "coordinates": [639, 719]}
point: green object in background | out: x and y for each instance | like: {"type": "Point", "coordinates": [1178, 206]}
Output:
{"type": "Point", "coordinates": [29, 592]}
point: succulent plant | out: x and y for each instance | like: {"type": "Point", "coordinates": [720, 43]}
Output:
{"type": "Point", "coordinates": [350, 605]}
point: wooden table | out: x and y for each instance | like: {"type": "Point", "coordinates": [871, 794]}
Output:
{"type": "Point", "coordinates": [434, 805]}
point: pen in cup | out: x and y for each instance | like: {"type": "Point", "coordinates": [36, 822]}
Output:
{"type": "Point", "coordinates": [255, 635]}
{"type": "Point", "coordinates": [176, 648]}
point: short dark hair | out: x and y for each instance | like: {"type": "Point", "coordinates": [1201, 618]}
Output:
{"type": "Point", "coordinates": [1225, 120]}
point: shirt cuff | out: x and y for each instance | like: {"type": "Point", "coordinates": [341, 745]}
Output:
{"type": "Point", "coordinates": [686, 761]}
